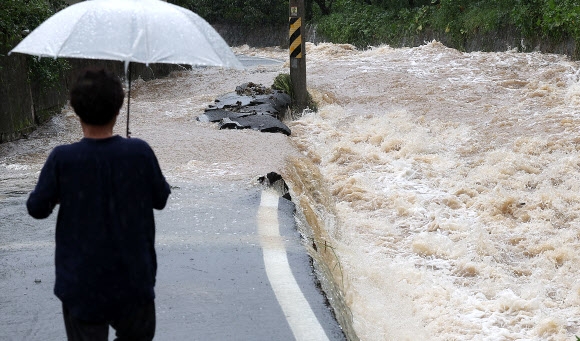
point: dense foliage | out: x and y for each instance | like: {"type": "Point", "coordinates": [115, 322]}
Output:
{"type": "Point", "coordinates": [18, 18]}
{"type": "Point", "coordinates": [252, 13]}
{"type": "Point", "coordinates": [373, 22]}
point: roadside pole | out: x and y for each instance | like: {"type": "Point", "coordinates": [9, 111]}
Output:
{"type": "Point", "coordinates": [298, 54]}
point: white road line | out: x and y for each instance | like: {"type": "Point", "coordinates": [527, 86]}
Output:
{"type": "Point", "coordinates": [300, 316]}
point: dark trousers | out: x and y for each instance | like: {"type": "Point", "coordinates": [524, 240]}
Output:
{"type": "Point", "coordinates": [139, 325]}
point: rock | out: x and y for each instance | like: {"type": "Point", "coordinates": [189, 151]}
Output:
{"type": "Point", "coordinates": [252, 106]}
{"type": "Point", "coordinates": [227, 123]}
{"type": "Point", "coordinates": [252, 89]}
{"type": "Point", "coordinates": [281, 100]}
{"type": "Point", "coordinates": [231, 100]}
{"type": "Point", "coordinates": [276, 181]}
{"type": "Point", "coordinates": [275, 103]}
{"type": "Point", "coordinates": [264, 123]}
{"type": "Point", "coordinates": [261, 108]}
{"type": "Point", "coordinates": [216, 115]}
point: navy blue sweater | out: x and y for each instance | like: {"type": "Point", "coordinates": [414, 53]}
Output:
{"type": "Point", "coordinates": [105, 231]}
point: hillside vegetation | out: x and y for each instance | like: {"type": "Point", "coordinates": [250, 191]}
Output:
{"type": "Point", "coordinates": [366, 23]}
{"type": "Point", "coordinates": [373, 22]}
{"type": "Point", "coordinates": [17, 19]}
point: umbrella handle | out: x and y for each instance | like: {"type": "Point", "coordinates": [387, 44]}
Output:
{"type": "Point", "coordinates": [128, 98]}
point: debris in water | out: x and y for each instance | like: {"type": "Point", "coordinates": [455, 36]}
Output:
{"type": "Point", "coordinates": [252, 106]}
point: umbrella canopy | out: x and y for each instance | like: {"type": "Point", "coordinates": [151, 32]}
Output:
{"type": "Point", "coordinates": [141, 31]}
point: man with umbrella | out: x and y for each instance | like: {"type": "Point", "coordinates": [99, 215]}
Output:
{"type": "Point", "coordinates": [107, 187]}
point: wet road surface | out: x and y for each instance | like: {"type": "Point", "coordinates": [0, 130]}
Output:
{"type": "Point", "coordinates": [211, 285]}
{"type": "Point", "coordinates": [213, 282]}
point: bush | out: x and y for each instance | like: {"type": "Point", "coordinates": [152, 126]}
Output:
{"type": "Point", "coordinates": [561, 19]}
{"type": "Point", "coordinates": [358, 24]}
{"type": "Point", "coordinates": [372, 22]}
{"type": "Point", "coordinates": [253, 13]}
{"type": "Point", "coordinates": [17, 18]}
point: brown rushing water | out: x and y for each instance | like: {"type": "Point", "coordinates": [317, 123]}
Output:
{"type": "Point", "coordinates": [163, 112]}
{"type": "Point", "coordinates": [453, 179]}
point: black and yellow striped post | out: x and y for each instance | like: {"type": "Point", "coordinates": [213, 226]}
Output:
{"type": "Point", "coordinates": [298, 54]}
{"type": "Point", "coordinates": [295, 37]}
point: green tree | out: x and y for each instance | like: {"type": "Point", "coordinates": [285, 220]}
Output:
{"type": "Point", "coordinates": [325, 6]}
{"type": "Point", "coordinates": [17, 19]}
{"type": "Point", "coordinates": [561, 19]}
{"type": "Point", "coordinates": [246, 12]}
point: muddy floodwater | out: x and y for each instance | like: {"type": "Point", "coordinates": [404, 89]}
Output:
{"type": "Point", "coordinates": [456, 181]}
{"type": "Point", "coordinates": [452, 178]}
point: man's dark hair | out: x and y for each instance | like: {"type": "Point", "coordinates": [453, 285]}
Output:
{"type": "Point", "coordinates": [97, 96]}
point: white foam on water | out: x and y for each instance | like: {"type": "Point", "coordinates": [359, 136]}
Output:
{"type": "Point", "coordinates": [455, 178]}
{"type": "Point", "coordinates": [16, 167]}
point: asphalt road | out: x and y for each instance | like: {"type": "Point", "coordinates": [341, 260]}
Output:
{"type": "Point", "coordinates": [213, 282]}
{"type": "Point", "coordinates": [231, 266]}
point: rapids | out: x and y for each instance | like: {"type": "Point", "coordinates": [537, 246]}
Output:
{"type": "Point", "coordinates": [455, 181]}
{"type": "Point", "coordinates": [446, 183]}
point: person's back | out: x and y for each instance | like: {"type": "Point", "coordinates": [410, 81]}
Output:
{"type": "Point", "coordinates": [107, 187]}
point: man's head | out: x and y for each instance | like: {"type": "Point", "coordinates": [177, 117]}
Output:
{"type": "Point", "coordinates": [97, 96]}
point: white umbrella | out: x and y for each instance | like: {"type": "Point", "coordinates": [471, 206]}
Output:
{"type": "Point", "coordinates": [142, 31]}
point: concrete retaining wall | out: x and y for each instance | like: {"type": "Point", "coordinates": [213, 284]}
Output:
{"type": "Point", "coordinates": [24, 105]}
{"type": "Point", "coordinates": [16, 105]}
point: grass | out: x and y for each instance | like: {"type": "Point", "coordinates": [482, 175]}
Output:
{"type": "Point", "coordinates": [283, 82]}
